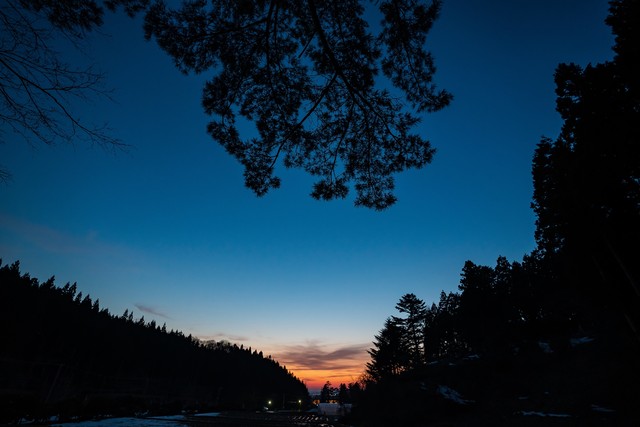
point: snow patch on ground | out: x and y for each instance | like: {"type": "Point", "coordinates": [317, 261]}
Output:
{"type": "Point", "coordinates": [208, 414]}
{"type": "Point", "coordinates": [545, 347]}
{"type": "Point", "coordinates": [582, 340]}
{"type": "Point", "coordinates": [544, 414]}
{"type": "Point", "coordinates": [597, 408]}
{"type": "Point", "coordinates": [127, 422]}
{"type": "Point", "coordinates": [168, 417]}
{"type": "Point", "coordinates": [450, 394]}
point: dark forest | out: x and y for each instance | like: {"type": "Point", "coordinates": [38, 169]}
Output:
{"type": "Point", "coordinates": [558, 333]}
{"type": "Point", "coordinates": [62, 354]}
{"type": "Point", "coordinates": [554, 337]}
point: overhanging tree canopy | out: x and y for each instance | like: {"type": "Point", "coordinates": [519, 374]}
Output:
{"type": "Point", "coordinates": [308, 75]}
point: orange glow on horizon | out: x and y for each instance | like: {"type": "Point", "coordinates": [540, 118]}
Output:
{"type": "Point", "coordinates": [346, 372]}
{"type": "Point", "coordinates": [314, 380]}
{"type": "Point", "coordinates": [316, 362]}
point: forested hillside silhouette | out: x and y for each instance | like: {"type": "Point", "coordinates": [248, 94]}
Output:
{"type": "Point", "coordinates": [62, 354]}
{"type": "Point", "coordinates": [557, 335]}
{"type": "Point", "coordinates": [500, 350]}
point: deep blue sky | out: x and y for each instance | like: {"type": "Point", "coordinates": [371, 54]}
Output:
{"type": "Point", "coordinates": [167, 229]}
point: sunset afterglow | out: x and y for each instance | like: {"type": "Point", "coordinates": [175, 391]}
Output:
{"type": "Point", "coordinates": [167, 230]}
{"type": "Point", "coordinates": [316, 364]}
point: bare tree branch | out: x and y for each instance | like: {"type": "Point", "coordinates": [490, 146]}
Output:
{"type": "Point", "coordinates": [37, 89]}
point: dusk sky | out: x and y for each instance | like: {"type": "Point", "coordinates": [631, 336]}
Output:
{"type": "Point", "coordinates": [168, 230]}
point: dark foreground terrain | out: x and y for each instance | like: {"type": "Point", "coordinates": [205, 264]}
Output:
{"type": "Point", "coordinates": [261, 419]}
{"type": "Point", "coordinates": [224, 419]}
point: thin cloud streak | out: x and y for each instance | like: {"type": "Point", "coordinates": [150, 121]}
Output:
{"type": "Point", "coordinates": [314, 356]}
{"type": "Point", "coordinates": [151, 310]}
{"type": "Point", "coordinates": [221, 336]}
{"type": "Point", "coordinates": [41, 236]}
{"type": "Point", "coordinates": [54, 241]}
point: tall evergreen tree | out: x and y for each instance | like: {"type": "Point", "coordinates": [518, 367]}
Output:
{"type": "Point", "coordinates": [476, 303]}
{"type": "Point", "coordinates": [412, 326]}
{"type": "Point", "coordinates": [587, 181]}
{"type": "Point", "coordinates": [388, 357]}
{"type": "Point", "coordinates": [327, 393]}
{"type": "Point", "coordinates": [442, 336]}
{"type": "Point", "coordinates": [343, 394]}
{"type": "Point", "coordinates": [399, 347]}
